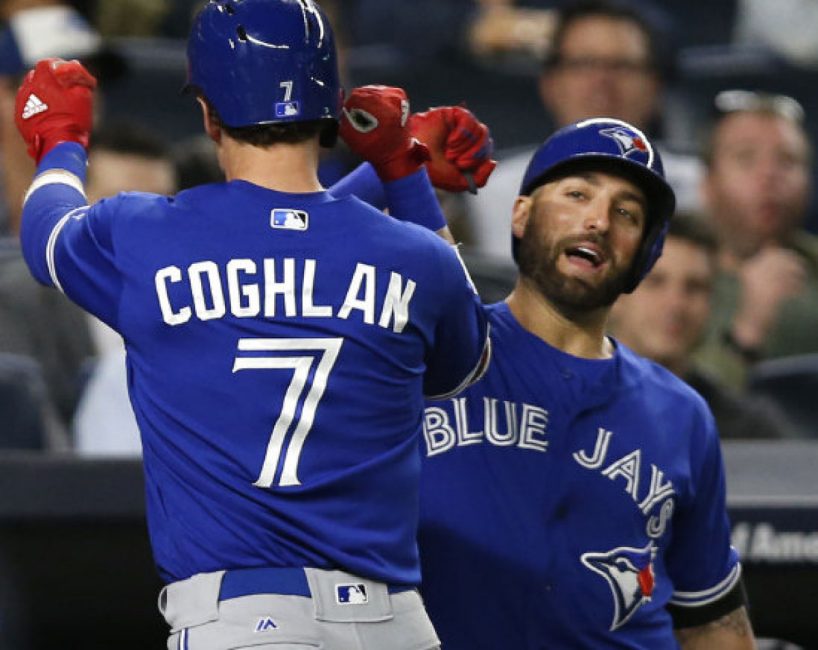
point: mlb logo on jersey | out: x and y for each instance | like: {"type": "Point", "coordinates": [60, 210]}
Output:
{"type": "Point", "coordinates": [289, 219]}
{"type": "Point", "coordinates": [287, 109]}
{"type": "Point", "coordinates": [351, 594]}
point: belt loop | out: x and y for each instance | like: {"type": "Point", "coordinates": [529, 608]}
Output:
{"type": "Point", "coordinates": [191, 602]}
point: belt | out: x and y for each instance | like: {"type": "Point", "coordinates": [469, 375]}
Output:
{"type": "Point", "coordinates": [285, 581]}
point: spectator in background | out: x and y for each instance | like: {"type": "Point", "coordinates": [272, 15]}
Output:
{"type": "Point", "coordinates": [785, 27]}
{"type": "Point", "coordinates": [45, 327]}
{"type": "Point", "coordinates": [756, 188]}
{"type": "Point", "coordinates": [486, 30]}
{"type": "Point", "coordinates": [504, 27]}
{"type": "Point", "coordinates": [123, 157]}
{"type": "Point", "coordinates": [666, 318]}
{"type": "Point", "coordinates": [604, 59]}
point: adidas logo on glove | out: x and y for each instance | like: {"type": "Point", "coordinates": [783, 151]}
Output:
{"type": "Point", "coordinates": [34, 106]}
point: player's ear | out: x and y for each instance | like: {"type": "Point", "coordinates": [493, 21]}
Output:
{"type": "Point", "coordinates": [212, 129]}
{"type": "Point", "coordinates": [520, 215]}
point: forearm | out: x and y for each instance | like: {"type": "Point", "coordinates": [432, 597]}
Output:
{"type": "Point", "coordinates": [411, 198]}
{"type": "Point", "coordinates": [730, 632]}
{"type": "Point", "coordinates": [364, 183]}
{"type": "Point", "coordinates": [57, 190]}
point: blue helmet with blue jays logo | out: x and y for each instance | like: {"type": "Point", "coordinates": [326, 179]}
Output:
{"type": "Point", "coordinates": [264, 61]}
{"type": "Point", "coordinates": [613, 146]}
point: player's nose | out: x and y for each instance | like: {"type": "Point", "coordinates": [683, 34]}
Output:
{"type": "Point", "coordinates": [597, 215]}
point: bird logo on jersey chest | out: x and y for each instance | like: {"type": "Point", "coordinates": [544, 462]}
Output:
{"type": "Point", "coordinates": [630, 576]}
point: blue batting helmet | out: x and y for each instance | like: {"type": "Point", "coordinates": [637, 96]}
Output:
{"type": "Point", "coordinates": [611, 145]}
{"type": "Point", "coordinates": [264, 61]}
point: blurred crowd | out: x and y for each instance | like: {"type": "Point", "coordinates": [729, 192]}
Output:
{"type": "Point", "coordinates": [731, 307]}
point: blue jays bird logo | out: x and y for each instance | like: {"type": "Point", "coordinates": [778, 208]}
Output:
{"type": "Point", "coordinates": [629, 573]}
{"type": "Point", "coordinates": [628, 141]}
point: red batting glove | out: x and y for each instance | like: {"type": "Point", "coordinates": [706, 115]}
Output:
{"type": "Point", "coordinates": [460, 146]}
{"type": "Point", "coordinates": [373, 125]}
{"type": "Point", "coordinates": [55, 104]}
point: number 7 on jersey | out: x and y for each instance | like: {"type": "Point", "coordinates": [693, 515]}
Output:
{"type": "Point", "coordinates": [287, 358]}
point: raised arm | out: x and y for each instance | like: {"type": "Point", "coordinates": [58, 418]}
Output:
{"type": "Point", "coordinates": [54, 105]}
{"type": "Point", "coordinates": [445, 147]}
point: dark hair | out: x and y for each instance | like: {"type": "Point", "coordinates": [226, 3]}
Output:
{"type": "Point", "coordinates": [569, 14]}
{"type": "Point", "coordinates": [130, 138]}
{"type": "Point", "coordinates": [265, 135]}
{"type": "Point", "coordinates": [693, 229]}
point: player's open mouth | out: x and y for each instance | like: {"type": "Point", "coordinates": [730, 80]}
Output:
{"type": "Point", "coordinates": [586, 254]}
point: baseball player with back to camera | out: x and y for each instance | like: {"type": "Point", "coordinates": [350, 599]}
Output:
{"type": "Point", "coordinates": [280, 340]}
{"type": "Point", "coordinates": [574, 497]}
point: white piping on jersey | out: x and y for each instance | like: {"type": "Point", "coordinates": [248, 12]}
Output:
{"type": "Point", "coordinates": [699, 598]}
{"type": "Point", "coordinates": [475, 375]}
{"type": "Point", "coordinates": [56, 176]}
{"type": "Point", "coordinates": [52, 243]}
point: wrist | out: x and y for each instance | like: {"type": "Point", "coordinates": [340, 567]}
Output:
{"type": "Point", "coordinates": [69, 156]}
{"type": "Point", "coordinates": [412, 198]}
{"type": "Point", "coordinates": [396, 168]}
{"type": "Point", "coordinates": [407, 162]}
{"type": "Point", "coordinates": [48, 141]}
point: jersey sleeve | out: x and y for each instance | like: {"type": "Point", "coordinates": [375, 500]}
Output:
{"type": "Point", "coordinates": [67, 243]}
{"type": "Point", "coordinates": [702, 564]}
{"type": "Point", "coordinates": [461, 349]}
{"type": "Point", "coordinates": [411, 198]}
{"type": "Point", "coordinates": [363, 183]}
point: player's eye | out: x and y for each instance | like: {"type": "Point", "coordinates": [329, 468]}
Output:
{"type": "Point", "coordinates": [631, 215]}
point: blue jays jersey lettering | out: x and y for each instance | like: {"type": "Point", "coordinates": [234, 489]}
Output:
{"type": "Point", "coordinates": [297, 335]}
{"type": "Point", "coordinates": [561, 502]}
{"type": "Point", "coordinates": [282, 288]}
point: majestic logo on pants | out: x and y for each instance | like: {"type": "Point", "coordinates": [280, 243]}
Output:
{"type": "Point", "coordinates": [629, 573]}
{"type": "Point", "coordinates": [351, 594]}
{"type": "Point", "coordinates": [266, 623]}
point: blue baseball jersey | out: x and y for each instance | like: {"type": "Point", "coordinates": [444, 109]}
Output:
{"type": "Point", "coordinates": [279, 349]}
{"type": "Point", "coordinates": [566, 502]}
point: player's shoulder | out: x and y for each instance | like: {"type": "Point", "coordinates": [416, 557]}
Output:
{"type": "Point", "coordinates": [132, 203]}
{"type": "Point", "coordinates": [123, 212]}
{"type": "Point", "coordinates": [657, 383]}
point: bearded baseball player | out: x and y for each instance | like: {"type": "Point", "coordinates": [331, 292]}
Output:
{"type": "Point", "coordinates": [575, 496]}
{"type": "Point", "coordinates": [280, 340]}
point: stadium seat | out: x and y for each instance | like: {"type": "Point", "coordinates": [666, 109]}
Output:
{"type": "Point", "coordinates": [792, 383]}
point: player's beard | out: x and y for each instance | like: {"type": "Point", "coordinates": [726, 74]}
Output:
{"type": "Point", "coordinates": [537, 259]}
